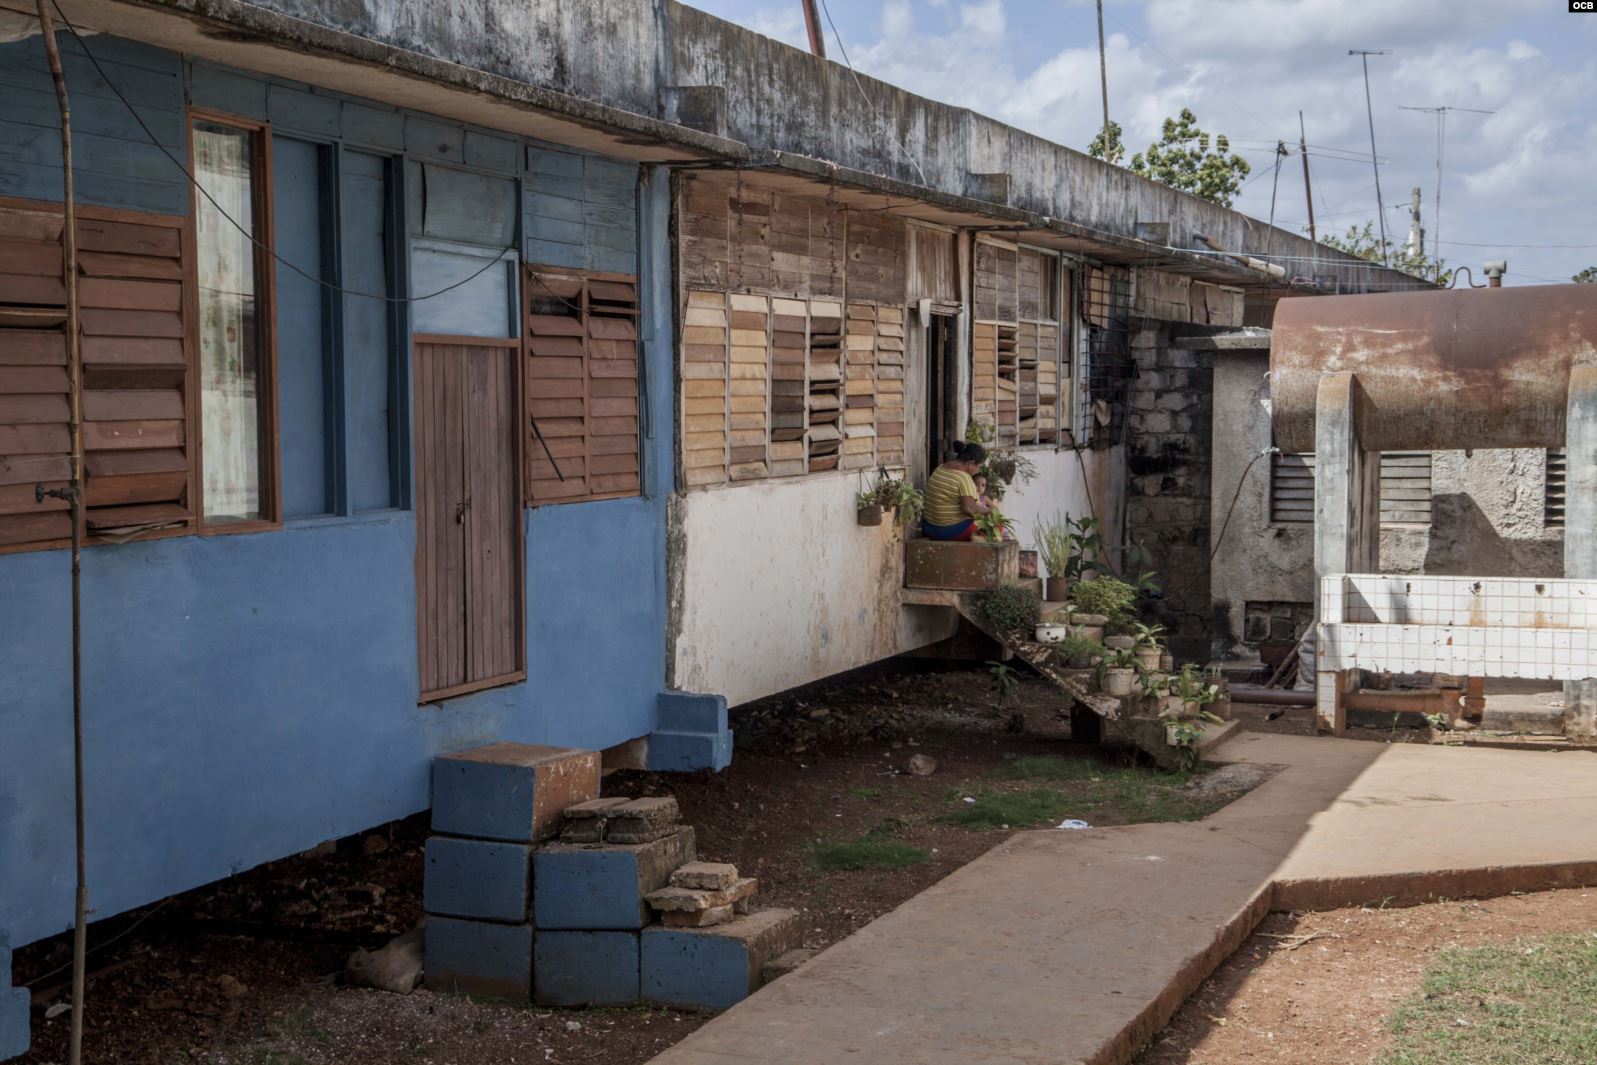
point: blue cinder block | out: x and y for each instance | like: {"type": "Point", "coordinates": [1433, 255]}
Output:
{"type": "Point", "coordinates": [717, 967]}
{"type": "Point", "coordinates": [690, 712]}
{"type": "Point", "coordinates": [14, 1003]}
{"type": "Point", "coordinates": [684, 752]}
{"type": "Point", "coordinates": [479, 958]}
{"type": "Point", "coordinates": [478, 878]}
{"type": "Point", "coordinates": [585, 968]}
{"type": "Point", "coordinates": [601, 886]}
{"type": "Point", "coordinates": [510, 791]}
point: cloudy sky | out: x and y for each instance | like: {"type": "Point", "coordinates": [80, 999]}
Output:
{"type": "Point", "coordinates": [1514, 183]}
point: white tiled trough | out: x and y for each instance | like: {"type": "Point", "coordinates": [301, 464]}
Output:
{"type": "Point", "coordinates": [1464, 626]}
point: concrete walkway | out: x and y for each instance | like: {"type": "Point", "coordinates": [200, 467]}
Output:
{"type": "Point", "coordinates": [1062, 946]}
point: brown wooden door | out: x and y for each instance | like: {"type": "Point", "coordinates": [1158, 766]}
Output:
{"type": "Point", "coordinates": [468, 515]}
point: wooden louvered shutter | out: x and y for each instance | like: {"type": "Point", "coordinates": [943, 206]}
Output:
{"type": "Point", "coordinates": [583, 431]}
{"type": "Point", "coordinates": [136, 436]}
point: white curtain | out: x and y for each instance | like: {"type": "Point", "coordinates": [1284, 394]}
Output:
{"type": "Point", "coordinates": [230, 361]}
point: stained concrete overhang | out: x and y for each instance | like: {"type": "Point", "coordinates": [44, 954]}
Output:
{"type": "Point", "coordinates": [865, 191]}
{"type": "Point", "coordinates": [252, 38]}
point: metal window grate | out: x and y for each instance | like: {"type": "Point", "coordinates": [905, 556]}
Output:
{"type": "Point", "coordinates": [1553, 490]}
{"type": "Point", "coordinates": [1405, 488]}
{"type": "Point", "coordinates": [1106, 345]}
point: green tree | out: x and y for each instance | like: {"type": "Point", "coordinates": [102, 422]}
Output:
{"type": "Point", "coordinates": [1113, 151]}
{"type": "Point", "coordinates": [1363, 242]}
{"type": "Point", "coordinates": [1184, 159]}
{"type": "Point", "coordinates": [1587, 276]}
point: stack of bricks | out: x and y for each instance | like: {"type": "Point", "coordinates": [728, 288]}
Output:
{"type": "Point", "coordinates": [491, 807]}
{"type": "Point", "coordinates": [518, 915]}
{"type": "Point", "coordinates": [617, 862]}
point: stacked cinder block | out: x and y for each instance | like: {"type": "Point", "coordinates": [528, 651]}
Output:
{"type": "Point", "coordinates": [588, 902]}
{"type": "Point", "coordinates": [518, 915]}
{"type": "Point", "coordinates": [491, 806]}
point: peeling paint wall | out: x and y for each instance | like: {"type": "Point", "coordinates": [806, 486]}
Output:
{"type": "Point", "coordinates": [776, 585]}
{"type": "Point", "coordinates": [1486, 514]}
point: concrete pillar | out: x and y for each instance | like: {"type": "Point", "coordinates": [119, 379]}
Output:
{"type": "Point", "coordinates": [1580, 528]}
{"type": "Point", "coordinates": [1347, 528]}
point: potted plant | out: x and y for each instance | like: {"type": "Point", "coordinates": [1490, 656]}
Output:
{"type": "Point", "coordinates": [1167, 661]}
{"type": "Point", "coordinates": [1009, 608]}
{"type": "Point", "coordinates": [1054, 545]}
{"type": "Point", "coordinates": [1050, 632]}
{"type": "Point", "coordinates": [867, 509]}
{"type": "Point", "coordinates": [1119, 674]}
{"type": "Point", "coordinates": [1078, 652]}
{"type": "Point", "coordinates": [1194, 691]}
{"type": "Point", "coordinates": [900, 496]}
{"type": "Point", "coordinates": [1149, 650]}
{"type": "Point", "coordinates": [990, 526]}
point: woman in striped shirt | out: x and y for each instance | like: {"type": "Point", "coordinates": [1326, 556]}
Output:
{"type": "Point", "coordinates": [953, 502]}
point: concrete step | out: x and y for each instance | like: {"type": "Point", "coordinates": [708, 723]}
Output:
{"type": "Point", "coordinates": [716, 967]}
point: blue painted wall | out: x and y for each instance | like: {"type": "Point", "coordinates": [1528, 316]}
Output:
{"type": "Point", "coordinates": [248, 696]}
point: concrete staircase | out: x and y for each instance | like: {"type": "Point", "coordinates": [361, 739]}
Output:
{"type": "Point", "coordinates": [956, 575]}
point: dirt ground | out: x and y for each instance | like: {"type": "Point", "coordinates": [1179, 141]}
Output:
{"type": "Point", "coordinates": [246, 970]}
{"type": "Point", "coordinates": [1317, 988]}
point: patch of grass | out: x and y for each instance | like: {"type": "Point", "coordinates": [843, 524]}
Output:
{"type": "Point", "coordinates": [865, 793]}
{"type": "Point", "coordinates": [1532, 1000]}
{"type": "Point", "coordinates": [1017, 809]}
{"type": "Point", "coordinates": [874, 850]}
{"type": "Point", "coordinates": [1134, 794]}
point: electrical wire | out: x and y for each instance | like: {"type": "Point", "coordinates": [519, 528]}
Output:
{"type": "Point", "coordinates": [860, 85]}
{"type": "Point", "coordinates": [247, 234]}
{"type": "Point", "coordinates": [1224, 525]}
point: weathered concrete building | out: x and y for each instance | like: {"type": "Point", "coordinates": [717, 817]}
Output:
{"type": "Point", "coordinates": [465, 373]}
{"type": "Point", "coordinates": [1494, 511]}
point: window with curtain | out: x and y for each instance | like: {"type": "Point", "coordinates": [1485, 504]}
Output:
{"type": "Point", "coordinates": [234, 379]}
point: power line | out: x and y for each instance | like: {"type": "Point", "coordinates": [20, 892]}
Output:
{"type": "Point", "coordinates": [860, 85]}
{"type": "Point", "coordinates": [248, 235]}
{"type": "Point", "coordinates": [1494, 244]}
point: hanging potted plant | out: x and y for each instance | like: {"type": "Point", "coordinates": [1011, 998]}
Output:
{"type": "Point", "coordinates": [867, 509]}
{"type": "Point", "coordinates": [901, 497]}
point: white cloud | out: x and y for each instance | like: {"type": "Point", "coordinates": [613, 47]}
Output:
{"type": "Point", "coordinates": [986, 18]}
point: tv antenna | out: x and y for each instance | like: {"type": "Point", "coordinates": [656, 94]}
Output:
{"type": "Point", "coordinates": [1380, 205]}
{"type": "Point", "coordinates": [1441, 133]}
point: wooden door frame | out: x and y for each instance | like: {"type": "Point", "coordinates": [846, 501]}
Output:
{"type": "Point", "coordinates": [518, 420]}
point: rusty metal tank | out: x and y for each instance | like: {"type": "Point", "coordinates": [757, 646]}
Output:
{"type": "Point", "coordinates": [1442, 369]}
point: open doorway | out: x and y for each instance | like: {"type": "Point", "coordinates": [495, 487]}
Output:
{"type": "Point", "coordinates": [942, 377]}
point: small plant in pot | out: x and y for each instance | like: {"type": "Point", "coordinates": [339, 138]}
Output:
{"type": "Point", "coordinates": [901, 497]}
{"type": "Point", "coordinates": [1054, 546]}
{"type": "Point", "coordinates": [1149, 648]}
{"type": "Point", "coordinates": [991, 525]}
{"type": "Point", "coordinates": [1119, 673]}
{"type": "Point", "coordinates": [1194, 691]}
{"type": "Point", "coordinates": [1107, 597]}
{"type": "Point", "coordinates": [1078, 652]}
{"type": "Point", "coordinates": [867, 509]}
{"type": "Point", "coordinates": [1011, 609]}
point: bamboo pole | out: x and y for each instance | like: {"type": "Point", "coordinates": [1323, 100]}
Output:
{"type": "Point", "coordinates": [74, 497]}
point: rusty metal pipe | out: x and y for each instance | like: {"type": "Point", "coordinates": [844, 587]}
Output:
{"type": "Point", "coordinates": [1248, 693]}
{"type": "Point", "coordinates": [1445, 369]}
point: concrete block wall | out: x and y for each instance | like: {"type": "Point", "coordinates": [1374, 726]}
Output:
{"type": "Point", "coordinates": [1168, 479]}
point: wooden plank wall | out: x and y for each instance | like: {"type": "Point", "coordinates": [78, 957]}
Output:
{"type": "Point", "coordinates": [137, 406]}
{"type": "Point", "coordinates": [582, 436]}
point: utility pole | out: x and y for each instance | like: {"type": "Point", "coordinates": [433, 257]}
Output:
{"type": "Point", "coordinates": [1308, 192]}
{"type": "Point", "coordinates": [1103, 81]}
{"type": "Point", "coordinates": [1275, 185]}
{"type": "Point", "coordinates": [1416, 231]}
{"type": "Point", "coordinates": [1380, 205]}
{"type": "Point", "coordinates": [1441, 136]}
{"type": "Point", "coordinates": [812, 22]}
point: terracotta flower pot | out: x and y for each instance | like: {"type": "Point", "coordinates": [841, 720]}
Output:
{"type": "Point", "coordinates": [1089, 632]}
{"type": "Point", "coordinates": [1148, 658]}
{"type": "Point", "coordinates": [1167, 662]}
{"type": "Point", "coordinates": [1120, 643]}
{"type": "Point", "coordinates": [871, 515]}
{"type": "Point", "coordinates": [1056, 589]}
{"type": "Point", "coordinates": [1119, 682]}
{"type": "Point", "coordinates": [1097, 620]}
